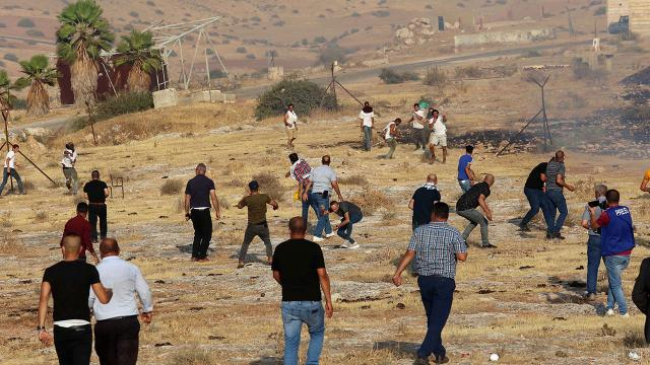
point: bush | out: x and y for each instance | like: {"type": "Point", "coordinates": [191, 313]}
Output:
{"type": "Point", "coordinates": [11, 57]}
{"type": "Point", "coordinates": [134, 14]}
{"type": "Point", "coordinates": [171, 187]}
{"type": "Point", "coordinates": [390, 76]}
{"type": "Point", "coordinates": [250, 56]}
{"type": "Point", "coordinates": [26, 23]}
{"type": "Point", "coordinates": [241, 50]}
{"type": "Point", "coordinates": [469, 72]}
{"type": "Point", "coordinates": [124, 104]}
{"type": "Point", "coordinates": [320, 40]}
{"type": "Point", "coordinates": [372, 200]}
{"type": "Point", "coordinates": [217, 74]}
{"type": "Point", "coordinates": [381, 13]}
{"type": "Point", "coordinates": [333, 52]}
{"type": "Point", "coordinates": [35, 33]}
{"type": "Point", "coordinates": [270, 185]}
{"type": "Point", "coordinates": [305, 95]}
{"type": "Point", "coordinates": [435, 77]}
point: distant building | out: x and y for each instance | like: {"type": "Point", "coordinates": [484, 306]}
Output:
{"type": "Point", "coordinates": [638, 12]}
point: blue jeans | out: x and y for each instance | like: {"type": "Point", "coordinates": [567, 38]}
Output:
{"type": "Point", "coordinates": [294, 314]}
{"type": "Point", "coordinates": [464, 185]}
{"type": "Point", "coordinates": [557, 202]}
{"type": "Point", "coordinates": [14, 174]}
{"type": "Point", "coordinates": [367, 138]}
{"type": "Point", "coordinates": [305, 208]}
{"type": "Point", "coordinates": [318, 203]}
{"type": "Point", "coordinates": [437, 296]}
{"type": "Point", "coordinates": [345, 232]}
{"type": "Point", "coordinates": [593, 262]}
{"type": "Point", "coordinates": [537, 199]}
{"type": "Point", "coordinates": [615, 265]}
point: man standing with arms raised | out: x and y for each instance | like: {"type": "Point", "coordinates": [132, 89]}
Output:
{"type": "Point", "coordinates": [438, 136]}
{"type": "Point", "coordinates": [299, 267]}
{"type": "Point", "coordinates": [199, 192]}
{"type": "Point", "coordinates": [10, 170]}
{"type": "Point", "coordinates": [69, 282]}
{"type": "Point", "coordinates": [436, 248]}
{"type": "Point", "coordinates": [257, 224]}
{"type": "Point", "coordinates": [96, 192]}
{"type": "Point", "coordinates": [322, 181]}
{"type": "Point", "coordinates": [555, 184]}
{"type": "Point", "coordinates": [117, 330]}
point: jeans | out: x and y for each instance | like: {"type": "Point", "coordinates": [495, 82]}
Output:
{"type": "Point", "coordinates": [392, 143]}
{"type": "Point", "coordinates": [117, 341]}
{"type": "Point", "coordinates": [367, 138]}
{"type": "Point", "coordinates": [437, 296]}
{"type": "Point", "coordinates": [305, 208]}
{"type": "Point", "coordinates": [260, 230]}
{"type": "Point", "coordinates": [71, 179]}
{"type": "Point", "coordinates": [73, 345]}
{"type": "Point", "coordinates": [14, 174]}
{"type": "Point", "coordinates": [294, 314]}
{"type": "Point", "coordinates": [319, 203]}
{"type": "Point", "coordinates": [202, 232]}
{"type": "Point", "coordinates": [465, 185]}
{"type": "Point", "coordinates": [97, 212]}
{"type": "Point", "coordinates": [557, 202]}
{"type": "Point", "coordinates": [475, 218]}
{"type": "Point", "coordinates": [593, 262]}
{"type": "Point", "coordinates": [537, 199]}
{"type": "Point", "coordinates": [345, 232]}
{"type": "Point", "coordinates": [615, 265]}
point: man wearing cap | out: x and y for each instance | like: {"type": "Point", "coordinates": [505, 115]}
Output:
{"type": "Point", "coordinates": [257, 224]}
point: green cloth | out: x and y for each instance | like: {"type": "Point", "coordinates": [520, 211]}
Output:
{"type": "Point", "coordinates": [256, 207]}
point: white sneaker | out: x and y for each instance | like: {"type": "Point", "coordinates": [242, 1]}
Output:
{"type": "Point", "coordinates": [330, 235]}
{"type": "Point", "coordinates": [353, 246]}
{"type": "Point", "coordinates": [345, 245]}
{"type": "Point", "coordinates": [318, 239]}
{"type": "Point", "coordinates": [626, 315]}
{"type": "Point", "coordinates": [610, 312]}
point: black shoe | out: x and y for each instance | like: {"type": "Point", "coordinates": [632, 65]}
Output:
{"type": "Point", "coordinates": [489, 245]}
{"type": "Point", "coordinates": [421, 361]}
{"type": "Point", "coordinates": [549, 236]}
{"type": "Point", "coordinates": [558, 236]}
{"type": "Point", "coordinates": [441, 359]}
{"type": "Point", "coordinates": [524, 228]}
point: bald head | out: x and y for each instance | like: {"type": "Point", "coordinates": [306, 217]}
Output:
{"type": "Point", "coordinates": [432, 178]}
{"type": "Point", "coordinates": [297, 228]}
{"type": "Point", "coordinates": [109, 247]}
{"type": "Point", "coordinates": [71, 246]}
{"type": "Point", "coordinates": [489, 179]}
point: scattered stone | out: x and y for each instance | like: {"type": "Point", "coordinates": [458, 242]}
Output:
{"type": "Point", "coordinates": [196, 309]}
{"type": "Point", "coordinates": [263, 295]}
{"type": "Point", "coordinates": [133, 213]}
{"type": "Point", "coordinates": [526, 267]}
{"type": "Point", "coordinates": [559, 319]}
{"type": "Point", "coordinates": [163, 344]}
{"type": "Point", "coordinates": [160, 282]}
{"type": "Point", "coordinates": [580, 267]}
{"type": "Point", "coordinates": [485, 291]}
{"type": "Point", "coordinates": [25, 281]}
{"type": "Point", "coordinates": [163, 217]}
{"type": "Point", "coordinates": [365, 307]}
{"type": "Point", "coordinates": [217, 338]}
{"type": "Point", "coordinates": [399, 306]}
{"type": "Point", "coordinates": [561, 353]}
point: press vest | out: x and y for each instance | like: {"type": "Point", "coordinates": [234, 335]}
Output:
{"type": "Point", "coordinates": [618, 235]}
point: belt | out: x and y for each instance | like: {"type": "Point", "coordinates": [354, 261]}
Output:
{"type": "Point", "coordinates": [91, 203]}
{"type": "Point", "coordinates": [259, 224]}
{"type": "Point", "coordinates": [118, 318]}
{"type": "Point", "coordinates": [67, 168]}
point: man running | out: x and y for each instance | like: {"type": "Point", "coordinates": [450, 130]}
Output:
{"type": "Point", "coordinates": [69, 172]}
{"type": "Point", "coordinates": [96, 192]}
{"type": "Point", "coordinates": [555, 184]}
{"type": "Point", "coordinates": [79, 226]}
{"type": "Point", "coordinates": [534, 192]}
{"type": "Point", "coordinates": [257, 224]}
{"type": "Point", "coordinates": [466, 175]}
{"type": "Point", "coordinates": [367, 119]}
{"type": "Point", "coordinates": [391, 132]}
{"type": "Point", "coordinates": [10, 170]}
{"type": "Point", "coordinates": [69, 282]}
{"type": "Point", "coordinates": [350, 215]}
{"type": "Point", "coordinates": [199, 191]}
{"type": "Point", "coordinates": [291, 125]}
{"type": "Point", "coordinates": [438, 136]}
{"type": "Point", "coordinates": [418, 120]}
{"type": "Point", "coordinates": [466, 206]}
{"type": "Point", "coordinates": [423, 200]}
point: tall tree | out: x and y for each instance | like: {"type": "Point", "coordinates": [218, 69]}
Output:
{"type": "Point", "coordinates": [83, 34]}
{"type": "Point", "coordinates": [38, 73]}
{"type": "Point", "coordinates": [7, 87]}
{"type": "Point", "coordinates": [136, 50]}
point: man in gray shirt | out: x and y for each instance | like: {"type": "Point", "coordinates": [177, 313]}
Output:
{"type": "Point", "coordinates": [593, 244]}
{"type": "Point", "coordinates": [321, 182]}
{"type": "Point", "coordinates": [555, 184]}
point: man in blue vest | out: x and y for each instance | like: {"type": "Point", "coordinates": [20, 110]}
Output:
{"type": "Point", "coordinates": [617, 243]}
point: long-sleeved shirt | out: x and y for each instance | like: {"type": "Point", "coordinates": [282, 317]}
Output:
{"type": "Point", "coordinates": [125, 279]}
{"type": "Point", "coordinates": [79, 226]}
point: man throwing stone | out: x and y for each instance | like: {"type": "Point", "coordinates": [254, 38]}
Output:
{"type": "Point", "coordinates": [466, 208]}
{"type": "Point", "coordinates": [438, 136]}
{"type": "Point", "coordinates": [257, 224]}
{"type": "Point", "coordinates": [198, 193]}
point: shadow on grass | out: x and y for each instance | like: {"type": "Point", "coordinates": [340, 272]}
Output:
{"type": "Point", "coordinates": [406, 349]}
{"type": "Point", "coordinates": [268, 360]}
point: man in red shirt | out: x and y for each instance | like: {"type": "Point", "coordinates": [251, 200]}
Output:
{"type": "Point", "coordinates": [79, 226]}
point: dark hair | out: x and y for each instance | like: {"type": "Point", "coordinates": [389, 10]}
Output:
{"type": "Point", "coordinates": [367, 108]}
{"type": "Point", "coordinates": [290, 105]}
{"type": "Point", "coordinates": [333, 202]}
{"type": "Point", "coordinates": [15, 146]}
{"type": "Point", "coordinates": [366, 103]}
{"type": "Point", "coordinates": [416, 104]}
{"type": "Point", "coordinates": [435, 111]}
{"type": "Point", "coordinates": [326, 160]}
{"type": "Point", "coordinates": [253, 185]}
{"type": "Point", "coordinates": [613, 196]}
{"type": "Point", "coordinates": [441, 210]}
{"type": "Point", "coordinates": [82, 207]}
{"type": "Point", "coordinates": [94, 175]}
{"type": "Point", "coordinates": [293, 157]}
{"type": "Point", "coordinates": [70, 146]}
{"type": "Point", "coordinates": [469, 149]}
{"type": "Point", "coordinates": [397, 120]}
{"type": "Point", "coordinates": [297, 225]}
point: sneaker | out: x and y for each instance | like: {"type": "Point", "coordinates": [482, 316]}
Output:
{"type": "Point", "coordinates": [353, 246]}
{"type": "Point", "coordinates": [441, 360]}
{"type": "Point", "coordinates": [590, 296]}
{"type": "Point", "coordinates": [345, 245]}
{"type": "Point", "coordinates": [610, 312]}
{"type": "Point", "coordinates": [558, 236]}
{"type": "Point", "coordinates": [549, 236]}
{"type": "Point", "coordinates": [626, 315]}
{"type": "Point", "coordinates": [421, 361]}
{"type": "Point", "coordinates": [524, 228]}
{"type": "Point", "coordinates": [489, 245]}
{"type": "Point", "coordinates": [318, 239]}
{"type": "Point", "coordinates": [328, 235]}
{"type": "Point", "coordinates": [240, 265]}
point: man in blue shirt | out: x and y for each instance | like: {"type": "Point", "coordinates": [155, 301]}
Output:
{"type": "Point", "coordinates": [465, 174]}
{"type": "Point", "coordinates": [436, 248]}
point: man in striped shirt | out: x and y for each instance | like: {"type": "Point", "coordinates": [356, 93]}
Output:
{"type": "Point", "coordinates": [436, 248]}
{"type": "Point", "coordinates": [300, 171]}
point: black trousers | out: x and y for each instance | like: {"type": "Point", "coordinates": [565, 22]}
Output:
{"type": "Point", "coordinates": [647, 329]}
{"type": "Point", "coordinates": [95, 212]}
{"type": "Point", "coordinates": [202, 232]}
{"type": "Point", "coordinates": [117, 341]}
{"type": "Point", "coordinates": [73, 345]}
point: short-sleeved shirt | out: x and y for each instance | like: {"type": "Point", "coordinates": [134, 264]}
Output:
{"type": "Point", "coordinates": [418, 123]}
{"type": "Point", "coordinates": [439, 127]}
{"type": "Point", "coordinates": [96, 190]}
{"type": "Point", "coordinates": [256, 204]}
{"type": "Point", "coordinates": [292, 119]}
{"type": "Point", "coordinates": [367, 118]}
{"type": "Point", "coordinates": [298, 262]}
{"type": "Point", "coordinates": [71, 282]}
{"type": "Point", "coordinates": [553, 169]}
{"type": "Point", "coordinates": [79, 226]}
{"type": "Point", "coordinates": [469, 200]}
{"type": "Point", "coordinates": [586, 216]}
{"type": "Point", "coordinates": [322, 177]}
{"type": "Point", "coordinates": [534, 180]}
{"type": "Point", "coordinates": [198, 188]}
{"type": "Point", "coordinates": [300, 171]}
{"type": "Point", "coordinates": [423, 200]}
{"type": "Point", "coordinates": [347, 207]}
{"type": "Point", "coordinates": [388, 134]}
{"type": "Point", "coordinates": [11, 156]}
{"type": "Point", "coordinates": [436, 245]}
{"type": "Point", "coordinates": [464, 160]}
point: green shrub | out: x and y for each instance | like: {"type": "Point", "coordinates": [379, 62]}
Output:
{"type": "Point", "coordinates": [320, 40]}
{"type": "Point", "coordinates": [26, 23]}
{"type": "Point", "coordinates": [270, 185]}
{"type": "Point", "coordinates": [435, 77]}
{"type": "Point", "coordinates": [390, 76]}
{"type": "Point", "coordinates": [305, 95]}
{"type": "Point", "coordinates": [35, 33]}
{"type": "Point", "coordinates": [171, 187]}
{"type": "Point", "coordinates": [241, 50]}
{"type": "Point", "coordinates": [11, 57]}
{"type": "Point", "coordinates": [124, 104]}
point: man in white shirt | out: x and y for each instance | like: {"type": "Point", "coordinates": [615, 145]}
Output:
{"type": "Point", "coordinates": [438, 135]}
{"type": "Point", "coordinates": [291, 124]}
{"type": "Point", "coordinates": [321, 182]}
{"type": "Point", "coordinates": [10, 170]}
{"type": "Point", "coordinates": [418, 120]}
{"type": "Point", "coordinates": [70, 173]}
{"type": "Point", "coordinates": [390, 135]}
{"type": "Point", "coordinates": [367, 118]}
{"type": "Point", "coordinates": [117, 329]}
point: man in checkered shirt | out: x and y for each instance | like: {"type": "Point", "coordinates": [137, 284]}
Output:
{"type": "Point", "coordinates": [436, 248]}
{"type": "Point", "coordinates": [300, 171]}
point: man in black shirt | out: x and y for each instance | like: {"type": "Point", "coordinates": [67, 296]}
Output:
{"type": "Point", "coordinates": [199, 192]}
{"type": "Point", "coordinates": [299, 267]}
{"type": "Point", "coordinates": [69, 282]}
{"type": "Point", "coordinates": [423, 200]}
{"type": "Point", "coordinates": [534, 191]}
{"type": "Point", "coordinates": [350, 215]}
{"type": "Point", "coordinates": [466, 208]}
{"type": "Point", "coordinates": [96, 192]}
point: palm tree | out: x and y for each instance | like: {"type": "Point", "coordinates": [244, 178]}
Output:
{"type": "Point", "coordinates": [38, 74]}
{"type": "Point", "coordinates": [83, 34]}
{"type": "Point", "coordinates": [136, 51]}
{"type": "Point", "coordinates": [7, 99]}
